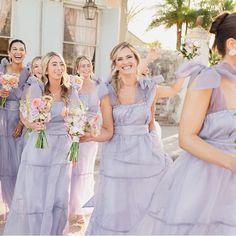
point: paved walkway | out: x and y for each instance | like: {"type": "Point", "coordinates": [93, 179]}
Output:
{"type": "Point", "coordinates": [170, 141]}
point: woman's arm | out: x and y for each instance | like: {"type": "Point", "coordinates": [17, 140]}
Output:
{"type": "Point", "coordinates": [152, 55]}
{"type": "Point", "coordinates": [168, 91]}
{"type": "Point", "coordinates": [153, 111]}
{"type": "Point", "coordinates": [190, 125]}
{"type": "Point", "coordinates": [107, 125]}
{"type": "Point", "coordinates": [18, 129]}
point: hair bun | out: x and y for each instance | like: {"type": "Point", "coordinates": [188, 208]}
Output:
{"type": "Point", "coordinates": [217, 22]}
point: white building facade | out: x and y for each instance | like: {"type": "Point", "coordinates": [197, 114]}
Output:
{"type": "Point", "coordinates": [60, 25]}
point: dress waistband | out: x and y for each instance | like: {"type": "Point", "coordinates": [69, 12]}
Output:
{"type": "Point", "coordinates": [131, 129]}
{"type": "Point", "coordinates": [12, 105]}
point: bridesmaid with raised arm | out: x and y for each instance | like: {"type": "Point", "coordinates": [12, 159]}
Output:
{"type": "Point", "coordinates": [132, 162]}
{"type": "Point", "coordinates": [82, 181]}
{"type": "Point", "coordinates": [197, 195]}
{"type": "Point", "coordinates": [10, 124]}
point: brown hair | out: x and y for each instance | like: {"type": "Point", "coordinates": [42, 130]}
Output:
{"type": "Point", "coordinates": [115, 80]}
{"type": "Point", "coordinates": [224, 27]}
{"type": "Point", "coordinates": [64, 85]}
{"type": "Point", "coordinates": [16, 41]}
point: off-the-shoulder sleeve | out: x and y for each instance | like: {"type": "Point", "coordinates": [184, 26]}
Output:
{"type": "Point", "coordinates": [31, 80]}
{"type": "Point", "coordinates": [32, 84]}
{"type": "Point", "coordinates": [149, 85]}
{"type": "Point", "coordinates": [102, 90]}
{"type": "Point", "coordinates": [35, 90]}
{"type": "Point", "coordinates": [150, 82]}
{"type": "Point", "coordinates": [3, 64]}
{"type": "Point", "coordinates": [207, 79]}
{"type": "Point", "coordinates": [189, 70]}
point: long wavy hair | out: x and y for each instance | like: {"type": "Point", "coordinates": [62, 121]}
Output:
{"type": "Point", "coordinates": [64, 83]}
{"type": "Point", "coordinates": [115, 80]}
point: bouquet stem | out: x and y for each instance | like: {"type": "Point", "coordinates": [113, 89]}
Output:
{"type": "Point", "coordinates": [73, 152]}
{"type": "Point", "coordinates": [2, 102]}
{"type": "Point", "coordinates": [41, 140]}
{"type": "Point", "coordinates": [28, 131]}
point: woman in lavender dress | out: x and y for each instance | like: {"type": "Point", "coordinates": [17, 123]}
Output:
{"type": "Point", "coordinates": [82, 181]}
{"type": "Point", "coordinates": [36, 68]}
{"type": "Point", "coordinates": [35, 79]}
{"type": "Point", "coordinates": [197, 195]}
{"type": "Point", "coordinates": [40, 202]}
{"type": "Point", "coordinates": [132, 162]}
{"type": "Point", "coordinates": [10, 124]}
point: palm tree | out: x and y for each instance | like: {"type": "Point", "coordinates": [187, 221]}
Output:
{"type": "Point", "coordinates": [218, 5]}
{"type": "Point", "coordinates": [228, 5]}
{"type": "Point", "coordinates": [172, 12]}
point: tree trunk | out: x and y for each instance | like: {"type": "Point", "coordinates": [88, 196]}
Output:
{"type": "Point", "coordinates": [179, 35]}
{"type": "Point", "coordinates": [123, 20]}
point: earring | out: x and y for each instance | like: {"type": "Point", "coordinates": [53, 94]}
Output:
{"type": "Point", "coordinates": [232, 51]}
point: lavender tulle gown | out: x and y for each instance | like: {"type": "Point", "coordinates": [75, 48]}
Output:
{"type": "Point", "coordinates": [29, 87]}
{"type": "Point", "coordinates": [41, 197]}
{"type": "Point", "coordinates": [10, 147]}
{"type": "Point", "coordinates": [196, 197]}
{"type": "Point", "coordinates": [132, 165]}
{"type": "Point", "coordinates": [82, 180]}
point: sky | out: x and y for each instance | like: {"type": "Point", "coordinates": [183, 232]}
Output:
{"type": "Point", "coordinates": [138, 26]}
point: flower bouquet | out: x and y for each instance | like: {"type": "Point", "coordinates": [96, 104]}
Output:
{"type": "Point", "coordinates": [93, 123]}
{"type": "Point", "coordinates": [8, 82]}
{"type": "Point", "coordinates": [189, 49]}
{"type": "Point", "coordinates": [75, 118]}
{"type": "Point", "coordinates": [39, 110]}
{"type": "Point", "coordinates": [76, 82]}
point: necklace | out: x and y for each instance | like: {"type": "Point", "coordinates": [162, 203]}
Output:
{"type": "Point", "coordinates": [56, 95]}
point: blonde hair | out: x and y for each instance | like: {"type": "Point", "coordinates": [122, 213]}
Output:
{"type": "Point", "coordinates": [64, 85]}
{"type": "Point", "coordinates": [115, 80]}
{"type": "Point", "coordinates": [78, 61]}
{"type": "Point", "coordinates": [32, 63]}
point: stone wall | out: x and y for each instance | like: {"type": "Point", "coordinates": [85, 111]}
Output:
{"type": "Point", "coordinates": [167, 109]}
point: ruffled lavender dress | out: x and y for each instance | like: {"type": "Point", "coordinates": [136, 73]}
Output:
{"type": "Point", "coordinates": [31, 85]}
{"type": "Point", "coordinates": [196, 197]}
{"type": "Point", "coordinates": [82, 180]}
{"type": "Point", "coordinates": [41, 197]}
{"type": "Point", "coordinates": [132, 164]}
{"type": "Point", "coordinates": [10, 147]}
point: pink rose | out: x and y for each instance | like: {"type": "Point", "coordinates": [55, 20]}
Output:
{"type": "Point", "coordinates": [36, 103]}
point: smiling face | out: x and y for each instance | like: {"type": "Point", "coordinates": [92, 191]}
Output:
{"type": "Point", "coordinates": [85, 68]}
{"type": "Point", "coordinates": [17, 53]}
{"type": "Point", "coordinates": [125, 62]}
{"type": "Point", "coordinates": [37, 68]}
{"type": "Point", "coordinates": [56, 68]}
